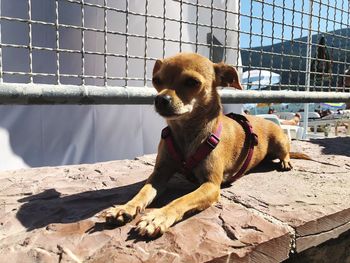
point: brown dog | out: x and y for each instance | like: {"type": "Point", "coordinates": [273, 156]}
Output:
{"type": "Point", "coordinates": [189, 101]}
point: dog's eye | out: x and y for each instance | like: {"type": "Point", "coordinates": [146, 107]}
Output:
{"type": "Point", "coordinates": [191, 82]}
{"type": "Point", "coordinates": [157, 81]}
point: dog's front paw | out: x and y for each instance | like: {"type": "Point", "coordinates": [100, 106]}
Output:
{"type": "Point", "coordinates": [120, 215]}
{"type": "Point", "coordinates": [155, 223]}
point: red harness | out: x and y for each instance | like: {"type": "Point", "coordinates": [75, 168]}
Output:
{"type": "Point", "coordinates": [209, 144]}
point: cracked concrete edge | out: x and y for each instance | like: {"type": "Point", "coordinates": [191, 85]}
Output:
{"type": "Point", "coordinates": [303, 242]}
{"type": "Point", "coordinates": [269, 218]}
{"type": "Point", "coordinates": [337, 219]}
{"type": "Point", "coordinates": [298, 243]}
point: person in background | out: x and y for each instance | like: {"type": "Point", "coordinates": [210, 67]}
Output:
{"type": "Point", "coordinates": [325, 113]}
{"type": "Point", "coordinates": [271, 111]}
{"type": "Point", "coordinates": [294, 121]}
{"type": "Point", "coordinates": [344, 84]}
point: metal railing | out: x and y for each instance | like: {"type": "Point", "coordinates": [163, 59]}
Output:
{"type": "Point", "coordinates": [77, 47]}
{"type": "Point", "coordinates": [69, 94]}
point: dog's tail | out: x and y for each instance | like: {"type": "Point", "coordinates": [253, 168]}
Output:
{"type": "Point", "coordinates": [303, 156]}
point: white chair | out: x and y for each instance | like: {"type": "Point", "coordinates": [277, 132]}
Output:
{"type": "Point", "coordinates": [270, 117]}
{"type": "Point", "coordinates": [285, 115]}
{"type": "Point", "coordinates": [292, 131]}
{"type": "Point", "coordinates": [312, 115]}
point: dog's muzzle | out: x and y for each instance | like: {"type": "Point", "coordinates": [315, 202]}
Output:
{"type": "Point", "coordinates": [163, 103]}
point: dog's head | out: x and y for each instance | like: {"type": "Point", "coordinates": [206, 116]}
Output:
{"type": "Point", "coordinates": [188, 81]}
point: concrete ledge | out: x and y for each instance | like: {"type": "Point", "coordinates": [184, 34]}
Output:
{"type": "Point", "coordinates": [47, 214]}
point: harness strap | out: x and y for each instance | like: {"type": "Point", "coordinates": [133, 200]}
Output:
{"type": "Point", "coordinates": [166, 135]}
{"type": "Point", "coordinates": [203, 150]}
{"type": "Point", "coordinates": [252, 140]}
{"type": "Point", "coordinates": [209, 144]}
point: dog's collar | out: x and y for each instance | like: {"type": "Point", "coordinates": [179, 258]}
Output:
{"type": "Point", "coordinates": [210, 144]}
{"type": "Point", "coordinates": [202, 152]}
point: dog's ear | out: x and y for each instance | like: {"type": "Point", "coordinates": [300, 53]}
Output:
{"type": "Point", "coordinates": [227, 76]}
{"type": "Point", "coordinates": [157, 66]}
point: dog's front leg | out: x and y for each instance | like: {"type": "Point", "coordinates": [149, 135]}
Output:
{"type": "Point", "coordinates": [154, 186]}
{"type": "Point", "coordinates": [159, 220]}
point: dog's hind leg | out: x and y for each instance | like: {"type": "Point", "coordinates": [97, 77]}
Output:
{"type": "Point", "coordinates": [282, 152]}
{"type": "Point", "coordinates": [279, 149]}
{"type": "Point", "coordinates": [285, 163]}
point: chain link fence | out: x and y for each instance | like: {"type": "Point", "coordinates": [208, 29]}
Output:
{"type": "Point", "coordinates": [276, 44]}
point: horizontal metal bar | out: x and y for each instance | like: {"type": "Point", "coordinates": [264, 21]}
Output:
{"type": "Point", "coordinates": [25, 94]}
{"type": "Point", "coordinates": [286, 96]}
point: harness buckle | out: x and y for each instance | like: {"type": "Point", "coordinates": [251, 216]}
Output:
{"type": "Point", "coordinates": [165, 132]}
{"type": "Point", "coordinates": [213, 140]}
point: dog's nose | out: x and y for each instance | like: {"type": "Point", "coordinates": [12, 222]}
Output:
{"type": "Point", "coordinates": [162, 101]}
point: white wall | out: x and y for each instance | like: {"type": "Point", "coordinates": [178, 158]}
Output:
{"type": "Point", "coordinates": [57, 135]}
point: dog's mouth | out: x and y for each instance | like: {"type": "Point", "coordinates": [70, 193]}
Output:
{"type": "Point", "coordinates": [169, 114]}
{"type": "Point", "coordinates": [173, 114]}
{"type": "Point", "coordinates": [173, 111]}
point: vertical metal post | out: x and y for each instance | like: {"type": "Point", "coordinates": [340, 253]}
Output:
{"type": "Point", "coordinates": [146, 46]}
{"type": "Point", "coordinates": [308, 68]}
{"type": "Point", "coordinates": [197, 18]}
{"type": "Point", "coordinates": [57, 43]}
{"type": "Point", "coordinates": [1, 76]}
{"type": "Point", "coordinates": [239, 60]}
{"type": "Point", "coordinates": [250, 44]}
{"type": "Point", "coordinates": [225, 42]}
{"type": "Point", "coordinates": [83, 42]}
{"type": "Point", "coordinates": [105, 77]}
{"type": "Point", "coordinates": [262, 43]}
{"type": "Point", "coordinates": [211, 53]}
{"type": "Point", "coordinates": [164, 26]}
{"type": "Point", "coordinates": [127, 43]}
{"type": "Point", "coordinates": [30, 41]}
{"type": "Point", "coordinates": [181, 20]}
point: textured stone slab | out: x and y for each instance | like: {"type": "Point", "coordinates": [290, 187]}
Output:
{"type": "Point", "coordinates": [314, 198]}
{"type": "Point", "coordinates": [334, 250]}
{"type": "Point", "coordinates": [47, 214]}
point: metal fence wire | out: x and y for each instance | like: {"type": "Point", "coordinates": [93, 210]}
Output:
{"type": "Point", "coordinates": [277, 44]}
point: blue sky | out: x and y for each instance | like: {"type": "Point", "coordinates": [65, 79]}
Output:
{"type": "Point", "coordinates": [330, 18]}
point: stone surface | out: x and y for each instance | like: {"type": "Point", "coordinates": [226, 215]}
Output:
{"type": "Point", "coordinates": [313, 198]}
{"type": "Point", "coordinates": [47, 214]}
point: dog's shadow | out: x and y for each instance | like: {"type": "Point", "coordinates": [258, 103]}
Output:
{"type": "Point", "coordinates": [50, 206]}
{"type": "Point", "coordinates": [266, 166]}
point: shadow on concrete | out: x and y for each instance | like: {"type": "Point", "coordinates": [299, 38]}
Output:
{"type": "Point", "coordinates": [51, 206]}
{"type": "Point", "coordinates": [266, 166]}
{"type": "Point", "coordinates": [334, 146]}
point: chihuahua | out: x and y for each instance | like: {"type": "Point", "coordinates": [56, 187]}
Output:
{"type": "Point", "coordinates": [189, 101]}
